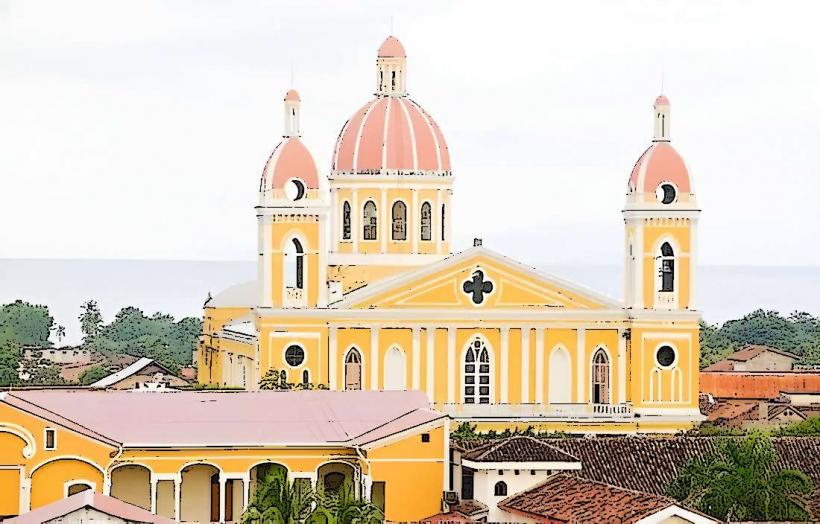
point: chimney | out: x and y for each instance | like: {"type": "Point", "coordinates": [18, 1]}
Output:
{"type": "Point", "coordinates": [763, 410]}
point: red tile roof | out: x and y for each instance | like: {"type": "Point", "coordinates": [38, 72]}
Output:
{"type": "Point", "coordinates": [568, 498]}
{"type": "Point", "coordinates": [758, 384]}
{"type": "Point", "coordinates": [518, 449]}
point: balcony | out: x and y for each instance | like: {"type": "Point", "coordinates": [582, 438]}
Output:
{"type": "Point", "coordinates": [294, 297]}
{"type": "Point", "coordinates": [543, 411]}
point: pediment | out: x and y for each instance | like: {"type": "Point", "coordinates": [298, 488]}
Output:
{"type": "Point", "coordinates": [476, 278]}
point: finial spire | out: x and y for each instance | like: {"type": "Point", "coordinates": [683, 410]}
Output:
{"type": "Point", "coordinates": [662, 113]}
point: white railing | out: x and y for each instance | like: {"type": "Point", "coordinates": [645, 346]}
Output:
{"type": "Point", "coordinates": [666, 299]}
{"type": "Point", "coordinates": [552, 411]}
{"type": "Point", "coordinates": [294, 297]}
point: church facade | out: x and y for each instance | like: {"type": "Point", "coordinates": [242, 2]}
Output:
{"type": "Point", "coordinates": [358, 287]}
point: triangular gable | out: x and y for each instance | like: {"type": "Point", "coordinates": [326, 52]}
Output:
{"type": "Point", "coordinates": [476, 278]}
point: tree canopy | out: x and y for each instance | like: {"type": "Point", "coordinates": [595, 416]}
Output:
{"type": "Point", "coordinates": [797, 333]}
{"type": "Point", "coordinates": [738, 481]}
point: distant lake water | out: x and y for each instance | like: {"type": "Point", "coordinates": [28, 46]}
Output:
{"type": "Point", "coordinates": [181, 287]}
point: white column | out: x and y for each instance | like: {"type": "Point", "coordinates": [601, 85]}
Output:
{"type": "Point", "coordinates": [107, 483]}
{"type": "Point", "coordinates": [431, 365]}
{"type": "Point", "coordinates": [222, 481]}
{"type": "Point", "coordinates": [246, 490]}
{"type": "Point", "coordinates": [621, 367]}
{"type": "Point", "coordinates": [321, 296]}
{"type": "Point", "coordinates": [333, 348]}
{"type": "Point", "coordinates": [437, 218]}
{"type": "Point", "coordinates": [386, 225]}
{"type": "Point", "coordinates": [178, 497]}
{"type": "Point", "coordinates": [639, 259]}
{"type": "Point", "coordinates": [693, 264]}
{"type": "Point", "coordinates": [25, 494]}
{"type": "Point", "coordinates": [414, 223]}
{"type": "Point", "coordinates": [416, 357]}
{"type": "Point", "coordinates": [152, 493]}
{"type": "Point", "coordinates": [374, 357]}
{"type": "Point", "coordinates": [335, 223]}
{"type": "Point", "coordinates": [451, 365]}
{"type": "Point", "coordinates": [539, 365]}
{"type": "Point", "coordinates": [368, 486]}
{"type": "Point", "coordinates": [355, 213]}
{"type": "Point", "coordinates": [525, 365]}
{"type": "Point", "coordinates": [448, 227]}
{"type": "Point", "coordinates": [504, 396]}
{"type": "Point", "coordinates": [581, 364]}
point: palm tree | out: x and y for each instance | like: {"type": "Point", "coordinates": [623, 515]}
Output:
{"type": "Point", "coordinates": [344, 507]}
{"type": "Point", "coordinates": [738, 481]}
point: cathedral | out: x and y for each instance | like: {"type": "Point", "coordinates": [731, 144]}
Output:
{"type": "Point", "coordinates": [359, 287]}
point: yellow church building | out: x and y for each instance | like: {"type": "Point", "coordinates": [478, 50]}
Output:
{"type": "Point", "coordinates": [358, 287]}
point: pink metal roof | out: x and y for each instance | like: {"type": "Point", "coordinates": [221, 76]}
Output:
{"type": "Point", "coordinates": [186, 418]}
{"type": "Point", "coordinates": [659, 163]}
{"type": "Point", "coordinates": [290, 159]}
{"type": "Point", "coordinates": [661, 101]}
{"type": "Point", "coordinates": [292, 95]}
{"type": "Point", "coordinates": [88, 499]}
{"type": "Point", "coordinates": [391, 133]}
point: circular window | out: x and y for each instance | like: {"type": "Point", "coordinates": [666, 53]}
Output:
{"type": "Point", "coordinates": [294, 355]}
{"type": "Point", "coordinates": [666, 193]}
{"type": "Point", "coordinates": [665, 356]}
{"type": "Point", "coordinates": [295, 189]}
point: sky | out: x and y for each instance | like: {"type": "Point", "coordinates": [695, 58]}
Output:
{"type": "Point", "coordinates": [140, 129]}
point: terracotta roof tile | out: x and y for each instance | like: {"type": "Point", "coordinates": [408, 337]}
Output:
{"type": "Point", "coordinates": [575, 500]}
{"type": "Point", "coordinates": [518, 449]}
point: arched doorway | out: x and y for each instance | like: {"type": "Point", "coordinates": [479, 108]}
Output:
{"type": "Point", "coordinates": [132, 484]}
{"type": "Point", "coordinates": [199, 493]}
{"type": "Point", "coordinates": [332, 477]}
{"type": "Point", "coordinates": [600, 378]}
{"type": "Point", "coordinates": [395, 369]}
{"type": "Point", "coordinates": [353, 369]}
{"type": "Point", "coordinates": [477, 373]}
{"type": "Point", "coordinates": [559, 376]}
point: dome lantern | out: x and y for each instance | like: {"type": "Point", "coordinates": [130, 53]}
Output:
{"type": "Point", "coordinates": [292, 102]}
{"type": "Point", "coordinates": [662, 122]}
{"type": "Point", "coordinates": [391, 68]}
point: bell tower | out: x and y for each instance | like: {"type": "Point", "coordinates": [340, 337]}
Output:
{"type": "Point", "coordinates": [291, 217]}
{"type": "Point", "coordinates": [661, 218]}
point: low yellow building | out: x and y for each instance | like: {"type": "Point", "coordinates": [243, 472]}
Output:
{"type": "Point", "coordinates": [196, 456]}
{"type": "Point", "coordinates": [358, 288]}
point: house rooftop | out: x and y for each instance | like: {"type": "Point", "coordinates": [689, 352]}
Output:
{"type": "Point", "coordinates": [517, 449]}
{"type": "Point", "coordinates": [242, 418]}
{"type": "Point", "coordinates": [88, 499]}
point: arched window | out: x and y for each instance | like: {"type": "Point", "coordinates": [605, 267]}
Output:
{"type": "Point", "coordinates": [305, 377]}
{"type": "Point", "coordinates": [399, 215]}
{"type": "Point", "coordinates": [353, 369]}
{"type": "Point", "coordinates": [395, 369]}
{"type": "Point", "coordinates": [294, 265]}
{"type": "Point", "coordinates": [346, 220]}
{"type": "Point", "coordinates": [667, 268]}
{"type": "Point", "coordinates": [370, 221]}
{"type": "Point", "coordinates": [477, 373]}
{"type": "Point", "coordinates": [500, 489]}
{"type": "Point", "coordinates": [600, 378]}
{"type": "Point", "coordinates": [559, 376]}
{"type": "Point", "coordinates": [443, 222]}
{"type": "Point", "coordinates": [79, 487]}
{"type": "Point", "coordinates": [426, 222]}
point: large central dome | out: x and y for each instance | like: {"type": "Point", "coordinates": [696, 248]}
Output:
{"type": "Point", "coordinates": [391, 133]}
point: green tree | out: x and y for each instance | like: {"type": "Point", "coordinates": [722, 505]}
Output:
{"type": "Point", "coordinates": [9, 362]}
{"type": "Point", "coordinates": [278, 500]}
{"type": "Point", "coordinates": [91, 320]}
{"type": "Point", "coordinates": [93, 374]}
{"type": "Point", "coordinates": [273, 379]}
{"type": "Point", "coordinates": [25, 324]}
{"type": "Point", "coordinates": [344, 507]}
{"type": "Point", "coordinates": [738, 481]}
{"type": "Point", "coordinates": [805, 428]}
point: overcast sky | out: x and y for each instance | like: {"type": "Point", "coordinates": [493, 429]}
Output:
{"type": "Point", "coordinates": [140, 129]}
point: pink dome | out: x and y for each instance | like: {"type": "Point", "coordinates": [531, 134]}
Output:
{"type": "Point", "coordinates": [661, 101]}
{"type": "Point", "coordinates": [392, 48]}
{"type": "Point", "coordinates": [659, 163]}
{"type": "Point", "coordinates": [390, 133]}
{"type": "Point", "coordinates": [290, 159]}
{"type": "Point", "coordinates": [292, 95]}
